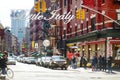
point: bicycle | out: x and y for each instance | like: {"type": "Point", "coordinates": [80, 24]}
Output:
{"type": "Point", "coordinates": [10, 73]}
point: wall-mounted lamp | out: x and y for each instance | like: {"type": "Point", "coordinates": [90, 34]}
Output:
{"type": "Point", "coordinates": [75, 49]}
{"type": "Point", "coordinates": [78, 49]}
{"type": "Point", "coordinates": [90, 49]}
{"type": "Point", "coordinates": [98, 48]}
{"type": "Point", "coordinates": [83, 49]}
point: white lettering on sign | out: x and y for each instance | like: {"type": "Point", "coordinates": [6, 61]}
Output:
{"type": "Point", "coordinates": [54, 14]}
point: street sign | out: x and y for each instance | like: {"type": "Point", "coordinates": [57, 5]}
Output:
{"type": "Point", "coordinates": [46, 43]}
{"type": "Point", "coordinates": [36, 45]}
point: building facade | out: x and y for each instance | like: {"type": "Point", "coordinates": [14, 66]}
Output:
{"type": "Point", "coordinates": [97, 34]}
{"type": "Point", "coordinates": [18, 24]}
{"type": "Point", "coordinates": [2, 38]}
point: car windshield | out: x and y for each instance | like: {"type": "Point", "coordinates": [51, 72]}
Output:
{"type": "Point", "coordinates": [58, 57]}
{"type": "Point", "coordinates": [46, 58]}
{"type": "Point", "coordinates": [31, 58]}
{"type": "Point", "coordinates": [10, 58]}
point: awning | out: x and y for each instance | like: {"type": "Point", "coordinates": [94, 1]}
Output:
{"type": "Point", "coordinates": [115, 41]}
{"type": "Point", "coordinates": [101, 41]}
{"type": "Point", "coordinates": [70, 44]}
{"type": "Point", "coordinates": [73, 47]}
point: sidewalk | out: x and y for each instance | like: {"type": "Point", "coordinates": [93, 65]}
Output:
{"type": "Point", "coordinates": [89, 70]}
{"type": "Point", "coordinates": [96, 75]}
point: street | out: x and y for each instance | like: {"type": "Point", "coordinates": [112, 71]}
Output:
{"type": "Point", "coordinates": [32, 72]}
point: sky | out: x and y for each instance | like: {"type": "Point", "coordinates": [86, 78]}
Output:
{"type": "Point", "coordinates": [7, 5]}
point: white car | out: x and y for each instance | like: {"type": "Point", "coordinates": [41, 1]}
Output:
{"type": "Point", "coordinates": [11, 61]}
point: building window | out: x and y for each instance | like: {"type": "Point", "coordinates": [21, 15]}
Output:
{"type": "Point", "coordinates": [103, 1]}
{"type": "Point", "coordinates": [70, 31]}
{"type": "Point", "coordinates": [75, 30]}
{"type": "Point", "coordinates": [87, 26]}
{"type": "Point", "coordinates": [117, 1]}
{"type": "Point", "coordinates": [118, 16]}
{"type": "Point", "coordinates": [81, 28]}
{"type": "Point", "coordinates": [93, 21]}
{"type": "Point", "coordinates": [65, 2]}
{"type": "Point", "coordinates": [71, 1]}
{"type": "Point", "coordinates": [117, 51]}
{"type": "Point", "coordinates": [75, 12]}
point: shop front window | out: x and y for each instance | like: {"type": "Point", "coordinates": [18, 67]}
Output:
{"type": "Point", "coordinates": [117, 52]}
{"type": "Point", "coordinates": [118, 17]}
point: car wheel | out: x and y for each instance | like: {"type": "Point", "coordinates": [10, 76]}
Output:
{"type": "Point", "coordinates": [52, 67]}
{"type": "Point", "coordinates": [65, 68]}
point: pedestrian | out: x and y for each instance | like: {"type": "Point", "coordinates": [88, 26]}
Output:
{"type": "Point", "coordinates": [68, 60]}
{"type": "Point", "coordinates": [81, 61]}
{"type": "Point", "coordinates": [85, 61]}
{"type": "Point", "coordinates": [74, 62]}
{"type": "Point", "coordinates": [93, 63]}
{"type": "Point", "coordinates": [109, 64]}
{"type": "Point", "coordinates": [104, 63]}
{"type": "Point", "coordinates": [69, 57]}
{"type": "Point", "coordinates": [100, 62]}
{"type": "Point", "coordinates": [77, 56]}
{"type": "Point", "coordinates": [96, 62]}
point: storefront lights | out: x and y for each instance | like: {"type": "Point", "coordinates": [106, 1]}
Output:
{"type": "Point", "coordinates": [90, 49]}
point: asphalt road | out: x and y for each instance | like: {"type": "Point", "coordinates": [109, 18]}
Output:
{"type": "Point", "coordinates": [32, 72]}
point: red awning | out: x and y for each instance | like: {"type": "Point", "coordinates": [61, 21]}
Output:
{"type": "Point", "coordinates": [100, 41]}
{"type": "Point", "coordinates": [115, 41]}
{"type": "Point", "coordinates": [97, 42]}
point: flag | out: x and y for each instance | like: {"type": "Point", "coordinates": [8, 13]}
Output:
{"type": "Point", "coordinates": [89, 3]}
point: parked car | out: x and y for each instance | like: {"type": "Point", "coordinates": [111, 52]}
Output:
{"type": "Point", "coordinates": [38, 61]}
{"type": "Point", "coordinates": [45, 61]}
{"type": "Point", "coordinates": [30, 60]}
{"type": "Point", "coordinates": [58, 62]}
{"type": "Point", "coordinates": [11, 61]}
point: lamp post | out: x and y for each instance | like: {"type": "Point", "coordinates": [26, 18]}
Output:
{"type": "Point", "coordinates": [64, 42]}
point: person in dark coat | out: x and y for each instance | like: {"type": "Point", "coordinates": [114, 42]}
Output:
{"type": "Point", "coordinates": [81, 61]}
{"type": "Point", "coordinates": [3, 64]}
{"type": "Point", "coordinates": [94, 63]}
{"type": "Point", "coordinates": [104, 63]}
{"type": "Point", "coordinates": [74, 62]}
{"type": "Point", "coordinates": [109, 64]}
{"type": "Point", "coordinates": [100, 62]}
{"type": "Point", "coordinates": [85, 61]}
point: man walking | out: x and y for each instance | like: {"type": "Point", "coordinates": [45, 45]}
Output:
{"type": "Point", "coordinates": [109, 64]}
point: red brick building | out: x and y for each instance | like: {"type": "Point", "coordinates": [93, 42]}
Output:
{"type": "Point", "coordinates": [97, 34]}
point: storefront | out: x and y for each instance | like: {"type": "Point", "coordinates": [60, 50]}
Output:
{"type": "Point", "coordinates": [104, 42]}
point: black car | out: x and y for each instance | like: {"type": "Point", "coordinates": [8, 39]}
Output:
{"type": "Point", "coordinates": [58, 62]}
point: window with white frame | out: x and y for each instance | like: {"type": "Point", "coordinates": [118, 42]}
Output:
{"type": "Point", "coordinates": [118, 16]}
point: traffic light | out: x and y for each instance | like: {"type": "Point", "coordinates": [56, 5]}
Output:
{"type": "Point", "coordinates": [77, 14]}
{"type": "Point", "coordinates": [82, 14]}
{"type": "Point", "coordinates": [36, 6]}
{"type": "Point", "coordinates": [43, 6]}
